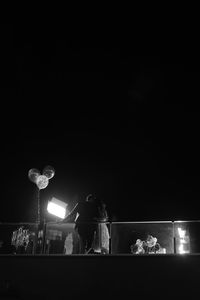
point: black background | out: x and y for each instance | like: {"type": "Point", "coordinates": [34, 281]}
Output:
{"type": "Point", "coordinates": [111, 119]}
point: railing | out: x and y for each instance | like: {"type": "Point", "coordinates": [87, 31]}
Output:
{"type": "Point", "coordinates": [157, 237]}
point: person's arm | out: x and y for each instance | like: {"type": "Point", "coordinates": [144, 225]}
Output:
{"type": "Point", "coordinates": [106, 215]}
{"type": "Point", "coordinates": [72, 215]}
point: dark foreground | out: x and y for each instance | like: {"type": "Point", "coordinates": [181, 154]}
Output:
{"type": "Point", "coordinates": [99, 277]}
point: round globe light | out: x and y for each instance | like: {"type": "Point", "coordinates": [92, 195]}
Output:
{"type": "Point", "coordinates": [33, 174]}
{"type": "Point", "coordinates": [42, 182]}
{"type": "Point", "coordinates": [49, 172]}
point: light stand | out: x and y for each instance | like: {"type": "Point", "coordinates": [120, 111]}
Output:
{"type": "Point", "coordinates": [38, 206]}
{"type": "Point", "coordinates": [42, 182]}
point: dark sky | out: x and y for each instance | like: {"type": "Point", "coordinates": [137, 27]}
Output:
{"type": "Point", "coordinates": [110, 120]}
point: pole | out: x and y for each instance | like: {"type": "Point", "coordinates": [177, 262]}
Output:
{"type": "Point", "coordinates": [38, 238]}
{"type": "Point", "coordinates": [41, 227]}
{"type": "Point", "coordinates": [38, 206]}
{"type": "Point", "coordinates": [43, 238]}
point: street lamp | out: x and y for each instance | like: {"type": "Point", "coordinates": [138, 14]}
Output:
{"type": "Point", "coordinates": [41, 182]}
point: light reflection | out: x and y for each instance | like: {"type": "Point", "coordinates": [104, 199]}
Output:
{"type": "Point", "coordinates": [184, 241]}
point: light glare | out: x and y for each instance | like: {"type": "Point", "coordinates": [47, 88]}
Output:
{"type": "Point", "coordinates": [56, 210]}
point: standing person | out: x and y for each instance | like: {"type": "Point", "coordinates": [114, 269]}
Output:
{"type": "Point", "coordinates": [102, 236]}
{"type": "Point", "coordinates": [85, 214]}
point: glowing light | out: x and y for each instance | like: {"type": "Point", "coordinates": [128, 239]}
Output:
{"type": "Point", "coordinates": [181, 250]}
{"type": "Point", "coordinates": [181, 232]}
{"type": "Point", "coordinates": [57, 208]}
{"type": "Point", "coordinates": [42, 182]}
{"type": "Point", "coordinates": [33, 174]}
{"type": "Point", "coordinates": [49, 172]}
{"type": "Point", "coordinates": [183, 240]}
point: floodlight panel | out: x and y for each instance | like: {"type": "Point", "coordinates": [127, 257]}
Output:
{"type": "Point", "coordinates": [59, 202]}
{"type": "Point", "coordinates": [56, 210]}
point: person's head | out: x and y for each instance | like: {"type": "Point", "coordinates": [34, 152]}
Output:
{"type": "Point", "coordinates": [90, 198]}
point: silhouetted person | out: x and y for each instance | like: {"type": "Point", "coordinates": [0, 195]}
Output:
{"type": "Point", "coordinates": [85, 215]}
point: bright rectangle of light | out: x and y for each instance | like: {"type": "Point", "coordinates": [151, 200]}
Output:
{"type": "Point", "coordinates": [56, 209]}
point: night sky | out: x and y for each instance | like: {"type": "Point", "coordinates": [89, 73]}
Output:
{"type": "Point", "coordinates": [110, 120]}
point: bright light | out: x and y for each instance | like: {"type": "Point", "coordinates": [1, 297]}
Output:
{"type": "Point", "coordinates": [183, 240]}
{"type": "Point", "coordinates": [181, 232]}
{"type": "Point", "coordinates": [42, 181]}
{"type": "Point", "coordinates": [181, 250]}
{"type": "Point", "coordinates": [57, 208]}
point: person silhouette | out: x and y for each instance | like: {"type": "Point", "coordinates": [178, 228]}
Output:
{"type": "Point", "coordinates": [85, 214]}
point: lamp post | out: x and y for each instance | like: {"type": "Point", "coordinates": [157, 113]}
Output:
{"type": "Point", "coordinates": [41, 182]}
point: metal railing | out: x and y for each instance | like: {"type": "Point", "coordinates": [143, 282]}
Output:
{"type": "Point", "coordinates": [149, 237]}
